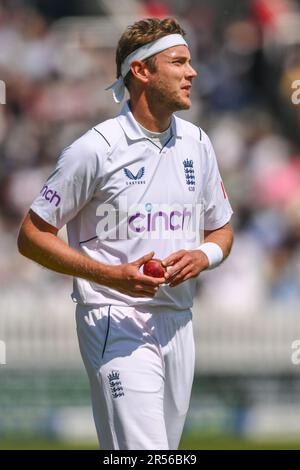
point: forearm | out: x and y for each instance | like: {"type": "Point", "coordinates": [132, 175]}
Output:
{"type": "Point", "coordinates": [53, 253]}
{"type": "Point", "coordinates": [222, 236]}
{"type": "Point", "coordinates": [38, 241]}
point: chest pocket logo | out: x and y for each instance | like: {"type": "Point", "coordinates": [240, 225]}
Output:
{"type": "Point", "coordinates": [135, 179]}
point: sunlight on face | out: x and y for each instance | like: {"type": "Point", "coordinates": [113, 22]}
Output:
{"type": "Point", "coordinates": [170, 84]}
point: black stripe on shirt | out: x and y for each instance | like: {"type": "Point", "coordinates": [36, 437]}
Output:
{"type": "Point", "coordinates": [102, 136]}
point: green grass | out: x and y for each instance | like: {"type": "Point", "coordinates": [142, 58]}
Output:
{"type": "Point", "coordinates": [189, 442]}
{"type": "Point", "coordinates": [42, 444]}
{"type": "Point", "coordinates": [196, 442]}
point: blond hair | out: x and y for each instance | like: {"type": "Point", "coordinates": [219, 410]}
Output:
{"type": "Point", "coordinates": [140, 33]}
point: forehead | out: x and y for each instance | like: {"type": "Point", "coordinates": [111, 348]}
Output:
{"type": "Point", "coordinates": [175, 51]}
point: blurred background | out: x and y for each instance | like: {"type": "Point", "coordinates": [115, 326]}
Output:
{"type": "Point", "coordinates": [56, 58]}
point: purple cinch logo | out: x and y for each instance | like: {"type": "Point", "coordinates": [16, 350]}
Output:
{"type": "Point", "coordinates": [50, 195]}
{"type": "Point", "coordinates": [170, 220]}
{"type": "Point", "coordinates": [150, 220]}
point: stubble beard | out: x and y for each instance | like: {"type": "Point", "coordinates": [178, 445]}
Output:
{"type": "Point", "coordinates": [169, 101]}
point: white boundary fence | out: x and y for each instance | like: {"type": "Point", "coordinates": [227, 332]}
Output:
{"type": "Point", "coordinates": [38, 327]}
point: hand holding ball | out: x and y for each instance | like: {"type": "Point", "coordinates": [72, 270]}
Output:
{"type": "Point", "coordinates": [154, 268]}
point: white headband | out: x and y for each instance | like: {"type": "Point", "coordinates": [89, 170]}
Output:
{"type": "Point", "coordinates": [159, 45]}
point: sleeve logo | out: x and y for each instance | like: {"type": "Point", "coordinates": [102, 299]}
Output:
{"type": "Point", "coordinates": [50, 195]}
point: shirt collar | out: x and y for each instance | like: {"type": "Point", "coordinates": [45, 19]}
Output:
{"type": "Point", "coordinates": [132, 129]}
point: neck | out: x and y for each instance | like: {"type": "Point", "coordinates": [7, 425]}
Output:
{"type": "Point", "coordinates": [152, 116]}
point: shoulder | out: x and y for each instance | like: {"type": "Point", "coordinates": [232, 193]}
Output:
{"type": "Point", "coordinates": [188, 129]}
{"type": "Point", "coordinates": [109, 131]}
{"type": "Point", "coordinates": [95, 144]}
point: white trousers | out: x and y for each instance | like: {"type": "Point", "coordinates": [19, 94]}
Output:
{"type": "Point", "coordinates": [141, 368]}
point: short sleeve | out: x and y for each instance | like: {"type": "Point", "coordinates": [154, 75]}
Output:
{"type": "Point", "coordinates": [217, 209]}
{"type": "Point", "coordinates": [71, 185]}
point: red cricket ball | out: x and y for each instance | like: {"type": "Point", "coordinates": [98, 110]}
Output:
{"type": "Point", "coordinates": [154, 268]}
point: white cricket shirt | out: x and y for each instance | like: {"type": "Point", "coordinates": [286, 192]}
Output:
{"type": "Point", "coordinates": [122, 196]}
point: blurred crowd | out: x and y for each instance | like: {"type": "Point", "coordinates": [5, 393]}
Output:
{"type": "Point", "coordinates": [247, 61]}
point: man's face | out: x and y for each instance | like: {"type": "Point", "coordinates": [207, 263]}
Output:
{"type": "Point", "coordinates": [171, 81]}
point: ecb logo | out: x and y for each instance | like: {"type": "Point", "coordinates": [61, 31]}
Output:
{"type": "Point", "coordinates": [2, 92]}
{"type": "Point", "coordinates": [2, 353]}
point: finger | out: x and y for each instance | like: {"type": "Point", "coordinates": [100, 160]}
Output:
{"type": "Point", "coordinates": [176, 268]}
{"type": "Point", "coordinates": [141, 291]}
{"type": "Point", "coordinates": [147, 281]}
{"type": "Point", "coordinates": [140, 261]}
{"type": "Point", "coordinates": [181, 281]}
{"type": "Point", "coordinates": [173, 258]}
{"type": "Point", "coordinates": [185, 278]}
{"type": "Point", "coordinates": [147, 288]}
{"type": "Point", "coordinates": [171, 272]}
{"type": "Point", "coordinates": [183, 275]}
{"type": "Point", "coordinates": [169, 261]}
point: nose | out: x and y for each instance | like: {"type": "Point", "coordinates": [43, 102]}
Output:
{"type": "Point", "coordinates": [191, 72]}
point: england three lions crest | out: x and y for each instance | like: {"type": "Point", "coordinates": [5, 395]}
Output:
{"type": "Point", "coordinates": [115, 384]}
{"type": "Point", "coordinates": [189, 173]}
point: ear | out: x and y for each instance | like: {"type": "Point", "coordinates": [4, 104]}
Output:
{"type": "Point", "coordinates": [140, 71]}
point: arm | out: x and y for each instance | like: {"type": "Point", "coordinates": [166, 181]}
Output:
{"type": "Point", "coordinates": [187, 264]}
{"type": "Point", "coordinates": [38, 241]}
